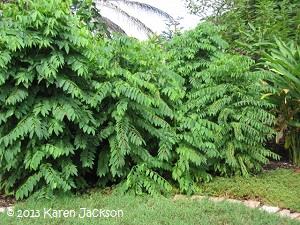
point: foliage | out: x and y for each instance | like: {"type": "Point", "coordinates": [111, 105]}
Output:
{"type": "Point", "coordinates": [249, 24]}
{"type": "Point", "coordinates": [90, 14]}
{"type": "Point", "coordinates": [222, 122]}
{"type": "Point", "coordinates": [74, 106]}
{"type": "Point", "coordinates": [277, 187]}
{"type": "Point", "coordinates": [204, 8]}
{"type": "Point", "coordinates": [45, 88]}
{"type": "Point", "coordinates": [284, 61]}
{"type": "Point", "coordinates": [145, 210]}
{"type": "Point", "coordinates": [139, 130]}
{"type": "Point", "coordinates": [173, 28]}
{"type": "Point", "coordinates": [78, 109]}
{"type": "Point", "coordinates": [250, 30]}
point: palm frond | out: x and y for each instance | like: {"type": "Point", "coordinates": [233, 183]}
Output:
{"type": "Point", "coordinates": [112, 26]}
{"type": "Point", "coordinates": [146, 7]}
{"type": "Point", "coordinates": [138, 24]}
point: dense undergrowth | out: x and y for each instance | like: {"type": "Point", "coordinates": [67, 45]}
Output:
{"type": "Point", "coordinates": [79, 110]}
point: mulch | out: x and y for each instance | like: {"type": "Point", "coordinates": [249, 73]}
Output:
{"type": "Point", "coordinates": [282, 165]}
{"type": "Point", "coordinates": [6, 201]}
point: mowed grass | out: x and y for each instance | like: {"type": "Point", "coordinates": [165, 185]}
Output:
{"type": "Point", "coordinates": [145, 211]}
{"type": "Point", "coordinates": [279, 187]}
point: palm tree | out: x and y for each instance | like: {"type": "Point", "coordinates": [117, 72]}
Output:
{"type": "Point", "coordinates": [116, 6]}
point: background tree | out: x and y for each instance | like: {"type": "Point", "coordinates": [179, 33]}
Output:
{"type": "Point", "coordinates": [251, 23]}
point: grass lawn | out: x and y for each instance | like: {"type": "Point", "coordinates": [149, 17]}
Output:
{"type": "Point", "coordinates": [145, 211]}
{"type": "Point", "coordinates": [279, 187]}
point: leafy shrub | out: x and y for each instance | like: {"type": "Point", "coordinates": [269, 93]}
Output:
{"type": "Point", "coordinates": [222, 122]}
{"type": "Point", "coordinates": [284, 60]}
{"type": "Point", "coordinates": [75, 107]}
{"type": "Point", "coordinates": [250, 29]}
{"type": "Point", "coordinates": [47, 126]}
{"type": "Point", "coordinates": [78, 109]}
{"type": "Point", "coordinates": [138, 131]}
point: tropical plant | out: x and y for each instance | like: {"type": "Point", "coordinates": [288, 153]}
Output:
{"type": "Point", "coordinates": [117, 7]}
{"type": "Point", "coordinates": [138, 132]}
{"type": "Point", "coordinates": [283, 59]}
{"type": "Point", "coordinates": [74, 106]}
{"type": "Point", "coordinates": [78, 109]}
{"type": "Point", "coordinates": [222, 122]}
{"type": "Point", "coordinates": [44, 115]}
